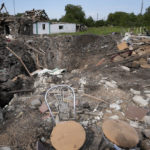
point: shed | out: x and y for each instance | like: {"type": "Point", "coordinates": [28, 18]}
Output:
{"type": "Point", "coordinates": [41, 28]}
{"type": "Point", "coordinates": [48, 28]}
{"type": "Point", "coordinates": [63, 28]}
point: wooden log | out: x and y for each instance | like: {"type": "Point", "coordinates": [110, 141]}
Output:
{"type": "Point", "coordinates": [20, 91]}
{"type": "Point", "coordinates": [95, 98]}
{"type": "Point", "coordinates": [128, 60]}
{"type": "Point", "coordinates": [34, 49]}
{"type": "Point", "coordinates": [19, 58]}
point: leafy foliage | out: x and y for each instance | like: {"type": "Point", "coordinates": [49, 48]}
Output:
{"type": "Point", "coordinates": [75, 14]}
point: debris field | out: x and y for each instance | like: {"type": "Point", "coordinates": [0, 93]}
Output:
{"type": "Point", "coordinates": [109, 75]}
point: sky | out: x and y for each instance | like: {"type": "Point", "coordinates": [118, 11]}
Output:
{"type": "Point", "coordinates": [95, 8]}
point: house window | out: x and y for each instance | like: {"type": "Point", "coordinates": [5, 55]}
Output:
{"type": "Point", "coordinates": [61, 27]}
{"type": "Point", "coordinates": [43, 26]}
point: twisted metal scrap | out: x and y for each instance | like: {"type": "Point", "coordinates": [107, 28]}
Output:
{"type": "Point", "coordinates": [62, 86]}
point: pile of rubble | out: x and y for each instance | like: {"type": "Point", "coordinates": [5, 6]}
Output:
{"type": "Point", "coordinates": [36, 15]}
{"type": "Point", "coordinates": [134, 51]}
{"type": "Point", "coordinates": [104, 88]}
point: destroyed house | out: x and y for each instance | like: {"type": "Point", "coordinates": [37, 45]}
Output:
{"type": "Point", "coordinates": [33, 22]}
{"type": "Point", "coordinates": [15, 25]}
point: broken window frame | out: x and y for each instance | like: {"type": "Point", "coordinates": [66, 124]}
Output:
{"type": "Point", "coordinates": [43, 26]}
{"type": "Point", "coordinates": [61, 27]}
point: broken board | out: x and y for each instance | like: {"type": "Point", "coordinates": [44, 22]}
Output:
{"type": "Point", "coordinates": [122, 46]}
{"type": "Point", "coordinates": [135, 113]}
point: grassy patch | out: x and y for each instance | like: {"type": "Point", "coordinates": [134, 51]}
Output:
{"type": "Point", "coordinates": [103, 31]}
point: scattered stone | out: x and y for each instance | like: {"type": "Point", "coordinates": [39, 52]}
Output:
{"type": "Point", "coordinates": [135, 64]}
{"type": "Point", "coordinates": [84, 123]}
{"type": "Point", "coordinates": [46, 117]}
{"type": "Point", "coordinates": [5, 148]}
{"type": "Point", "coordinates": [1, 115]}
{"type": "Point", "coordinates": [109, 111]}
{"type": "Point", "coordinates": [115, 117]}
{"type": "Point", "coordinates": [119, 102]}
{"type": "Point", "coordinates": [135, 92]}
{"type": "Point", "coordinates": [147, 92]}
{"type": "Point", "coordinates": [115, 106]}
{"type": "Point", "coordinates": [135, 113]}
{"type": "Point", "coordinates": [43, 108]}
{"type": "Point", "coordinates": [35, 101]}
{"type": "Point", "coordinates": [118, 58]}
{"type": "Point", "coordinates": [111, 84]}
{"type": "Point", "coordinates": [134, 124]}
{"type": "Point", "coordinates": [146, 119]}
{"type": "Point", "coordinates": [43, 139]}
{"type": "Point", "coordinates": [146, 132]}
{"type": "Point", "coordinates": [140, 100]}
{"type": "Point", "coordinates": [145, 145]}
{"type": "Point", "coordinates": [125, 68]}
{"type": "Point", "coordinates": [148, 95]}
{"type": "Point", "coordinates": [41, 146]}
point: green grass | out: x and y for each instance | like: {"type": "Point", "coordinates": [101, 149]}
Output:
{"type": "Point", "coordinates": [103, 31]}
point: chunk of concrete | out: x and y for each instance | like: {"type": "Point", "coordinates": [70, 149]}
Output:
{"type": "Point", "coordinates": [43, 108]}
{"type": "Point", "coordinates": [5, 148]}
{"type": "Point", "coordinates": [146, 119]}
{"type": "Point", "coordinates": [1, 116]}
{"type": "Point", "coordinates": [135, 92]}
{"type": "Point", "coordinates": [35, 101]}
{"type": "Point", "coordinates": [140, 100]}
{"type": "Point", "coordinates": [145, 145]}
{"type": "Point", "coordinates": [115, 117]}
{"type": "Point", "coordinates": [125, 68]}
{"type": "Point", "coordinates": [115, 106]}
{"type": "Point", "coordinates": [146, 132]}
{"type": "Point", "coordinates": [111, 84]}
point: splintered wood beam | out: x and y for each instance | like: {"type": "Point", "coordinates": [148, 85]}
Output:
{"type": "Point", "coordinates": [19, 58]}
{"type": "Point", "coordinates": [95, 98]}
{"type": "Point", "coordinates": [34, 49]}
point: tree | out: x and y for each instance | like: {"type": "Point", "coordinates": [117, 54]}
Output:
{"type": "Point", "coordinates": [74, 14]}
{"type": "Point", "coordinates": [147, 17]}
{"type": "Point", "coordinates": [124, 19]}
{"type": "Point", "coordinates": [89, 22]}
{"type": "Point", "coordinates": [100, 23]}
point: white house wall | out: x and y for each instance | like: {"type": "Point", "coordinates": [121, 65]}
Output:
{"type": "Point", "coordinates": [53, 28]}
{"type": "Point", "coordinates": [67, 28]}
{"type": "Point", "coordinates": [38, 28]}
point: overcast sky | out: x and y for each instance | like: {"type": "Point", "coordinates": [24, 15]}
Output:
{"type": "Point", "coordinates": [55, 8]}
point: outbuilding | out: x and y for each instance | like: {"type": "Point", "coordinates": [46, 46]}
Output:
{"type": "Point", "coordinates": [52, 28]}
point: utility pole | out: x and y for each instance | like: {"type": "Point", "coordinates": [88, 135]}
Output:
{"type": "Point", "coordinates": [14, 7]}
{"type": "Point", "coordinates": [97, 17]}
{"type": "Point", "coordinates": [142, 3]}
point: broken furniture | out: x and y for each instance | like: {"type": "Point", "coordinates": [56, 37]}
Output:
{"type": "Point", "coordinates": [119, 135]}
{"type": "Point", "coordinates": [66, 135]}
